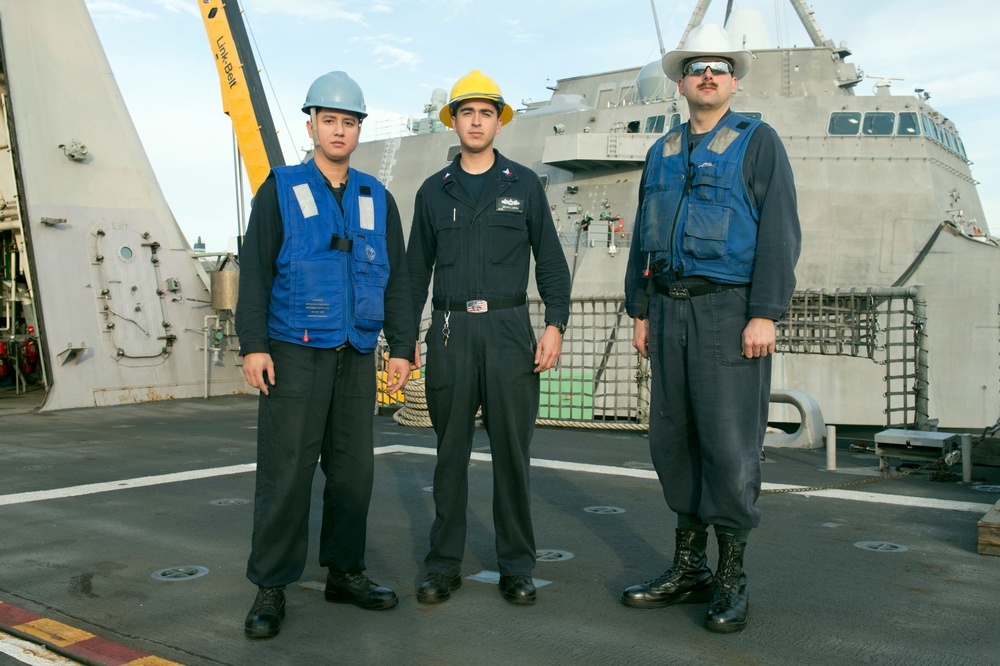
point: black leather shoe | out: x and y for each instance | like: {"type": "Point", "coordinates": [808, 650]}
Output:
{"type": "Point", "coordinates": [688, 581]}
{"type": "Point", "coordinates": [264, 618]}
{"type": "Point", "coordinates": [518, 589]}
{"type": "Point", "coordinates": [438, 587]}
{"type": "Point", "coordinates": [358, 589]}
{"type": "Point", "coordinates": [731, 602]}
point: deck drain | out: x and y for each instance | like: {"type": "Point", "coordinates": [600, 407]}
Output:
{"type": "Point", "coordinates": [635, 464]}
{"type": "Point", "coordinates": [549, 555]}
{"type": "Point", "coordinates": [987, 489]}
{"type": "Point", "coordinates": [881, 546]}
{"type": "Point", "coordinates": [229, 502]}
{"type": "Point", "coordinates": [174, 574]}
{"type": "Point", "coordinates": [604, 509]}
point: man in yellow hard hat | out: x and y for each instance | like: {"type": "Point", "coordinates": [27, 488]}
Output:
{"type": "Point", "coordinates": [476, 224]}
{"type": "Point", "coordinates": [711, 268]}
{"type": "Point", "coordinates": [322, 271]}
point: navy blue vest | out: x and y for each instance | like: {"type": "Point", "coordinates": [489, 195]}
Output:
{"type": "Point", "coordinates": [325, 295]}
{"type": "Point", "coordinates": [697, 217]}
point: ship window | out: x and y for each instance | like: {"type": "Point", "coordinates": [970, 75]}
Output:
{"type": "Point", "coordinates": [845, 122]}
{"type": "Point", "coordinates": [627, 95]}
{"type": "Point", "coordinates": [752, 114]}
{"type": "Point", "coordinates": [907, 124]}
{"type": "Point", "coordinates": [931, 129]}
{"type": "Point", "coordinates": [950, 138]}
{"type": "Point", "coordinates": [878, 123]}
{"type": "Point", "coordinates": [675, 120]}
{"type": "Point", "coordinates": [453, 152]}
{"type": "Point", "coordinates": [961, 148]}
{"type": "Point", "coordinates": [604, 97]}
{"type": "Point", "coordinates": [654, 124]}
{"type": "Point", "coordinates": [544, 177]}
{"type": "Point", "coordinates": [125, 252]}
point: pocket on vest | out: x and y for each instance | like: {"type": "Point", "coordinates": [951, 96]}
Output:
{"type": "Point", "coordinates": [706, 231]}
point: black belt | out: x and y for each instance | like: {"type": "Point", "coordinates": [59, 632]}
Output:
{"type": "Point", "coordinates": [682, 293]}
{"type": "Point", "coordinates": [476, 305]}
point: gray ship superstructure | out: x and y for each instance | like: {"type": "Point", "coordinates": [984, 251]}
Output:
{"type": "Point", "coordinates": [885, 194]}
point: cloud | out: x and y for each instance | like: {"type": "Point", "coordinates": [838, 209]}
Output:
{"type": "Point", "coordinates": [387, 53]}
{"type": "Point", "coordinates": [117, 11]}
{"type": "Point", "coordinates": [392, 56]}
{"type": "Point", "coordinates": [179, 6]}
{"type": "Point", "coordinates": [517, 33]}
{"type": "Point", "coordinates": [312, 11]}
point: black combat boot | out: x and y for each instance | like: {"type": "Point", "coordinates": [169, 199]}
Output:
{"type": "Point", "coordinates": [728, 611]}
{"type": "Point", "coordinates": [264, 618]}
{"type": "Point", "coordinates": [688, 581]}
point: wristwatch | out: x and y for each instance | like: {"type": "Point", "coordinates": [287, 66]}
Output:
{"type": "Point", "coordinates": [561, 325]}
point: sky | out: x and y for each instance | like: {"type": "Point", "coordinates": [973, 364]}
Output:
{"type": "Point", "coordinates": [400, 51]}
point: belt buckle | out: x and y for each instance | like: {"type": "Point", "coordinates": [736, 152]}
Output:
{"type": "Point", "coordinates": [476, 307]}
{"type": "Point", "coordinates": [680, 293]}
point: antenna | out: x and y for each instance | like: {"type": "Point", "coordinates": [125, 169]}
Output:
{"type": "Point", "coordinates": [659, 35]}
{"type": "Point", "coordinates": [883, 83]}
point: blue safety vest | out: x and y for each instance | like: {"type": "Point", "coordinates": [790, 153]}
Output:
{"type": "Point", "coordinates": [333, 267]}
{"type": "Point", "coordinates": [697, 217]}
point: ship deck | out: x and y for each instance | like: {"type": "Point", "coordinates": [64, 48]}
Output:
{"type": "Point", "coordinates": [96, 504]}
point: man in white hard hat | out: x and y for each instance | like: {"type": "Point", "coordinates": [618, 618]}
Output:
{"type": "Point", "coordinates": [711, 269]}
{"type": "Point", "coordinates": [322, 271]}
{"type": "Point", "coordinates": [476, 225]}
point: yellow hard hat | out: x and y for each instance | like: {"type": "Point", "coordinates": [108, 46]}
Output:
{"type": "Point", "coordinates": [475, 85]}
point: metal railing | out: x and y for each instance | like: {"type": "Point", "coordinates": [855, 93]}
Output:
{"type": "Point", "coordinates": [602, 382]}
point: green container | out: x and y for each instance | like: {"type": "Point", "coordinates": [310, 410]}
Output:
{"type": "Point", "coordinates": [567, 394]}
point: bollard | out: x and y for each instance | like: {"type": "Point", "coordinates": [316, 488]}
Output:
{"type": "Point", "coordinates": [831, 448]}
{"type": "Point", "coordinates": [966, 458]}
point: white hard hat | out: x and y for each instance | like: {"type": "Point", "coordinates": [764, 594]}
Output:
{"type": "Point", "coordinates": [708, 39]}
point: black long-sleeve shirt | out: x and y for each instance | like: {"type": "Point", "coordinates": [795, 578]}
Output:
{"type": "Point", "coordinates": [258, 257]}
{"type": "Point", "coordinates": [480, 249]}
{"type": "Point", "coordinates": [771, 186]}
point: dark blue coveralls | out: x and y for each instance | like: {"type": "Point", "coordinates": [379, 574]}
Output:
{"type": "Point", "coordinates": [480, 250]}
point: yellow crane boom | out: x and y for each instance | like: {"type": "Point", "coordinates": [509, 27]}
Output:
{"type": "Point", "coordinates": [243, 97]}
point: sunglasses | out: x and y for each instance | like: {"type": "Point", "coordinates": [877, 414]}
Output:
{"type": "Point", "coordinates": [698, 67]}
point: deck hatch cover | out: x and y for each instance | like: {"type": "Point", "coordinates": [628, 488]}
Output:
{"type": "Point", "coordinates": [174, 574]}
{"type": "Point", "coordinates": [881, 546]}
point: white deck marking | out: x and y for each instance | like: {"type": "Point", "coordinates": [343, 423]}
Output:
{"type": "Point", "coordinates": [607, 470]}
{"type": "Point", "coordinates": [124, 484]}
{"type": "Point", "coordinates": [31, 653]}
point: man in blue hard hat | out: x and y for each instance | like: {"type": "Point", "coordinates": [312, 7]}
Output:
{"type": "Point", "coordinates": [322, 271]}
{"type": "Point", "coordinates": [710, 270]}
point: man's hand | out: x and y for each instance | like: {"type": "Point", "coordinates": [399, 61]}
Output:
{"type": "Point", "coordinates": [758, 337]}
{"type": "Point", "coordinates": [548, 349]}
{"type": "Point", "coordinates": [415, 364]}
{"type": "Point", "coordinates": [255, 365]}
{"type": "Point", "coordinates": [640, 336]}
{"type": "Point", "coordinates": [398, 373]}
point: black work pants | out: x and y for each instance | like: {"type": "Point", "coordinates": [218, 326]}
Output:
{"type": "Point", "coordinates": [489, 362]}
{"type": "Point", "coordinates": [320, 408]}
{"type": "Point", "coordinates": [708, 407]}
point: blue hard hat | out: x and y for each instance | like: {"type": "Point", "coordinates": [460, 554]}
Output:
{"type": "Point", "coordinates": [336, 90]}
